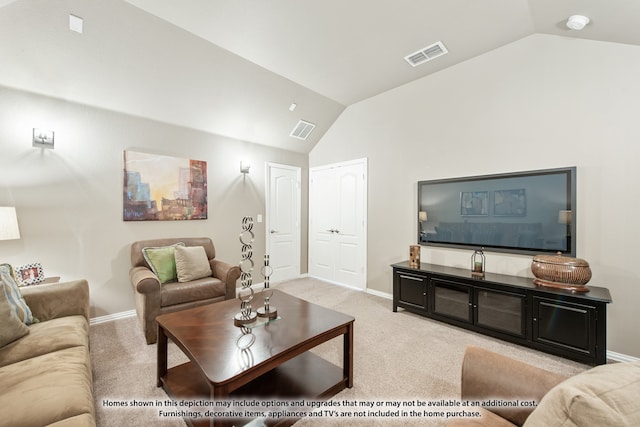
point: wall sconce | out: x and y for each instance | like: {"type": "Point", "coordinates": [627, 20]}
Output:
{"type": "Point", "coordinates": [43, 138]}
{"type": "Point", "coordinates": [244, 167]}
{"type": "Point", "coordinates": [8, 223]}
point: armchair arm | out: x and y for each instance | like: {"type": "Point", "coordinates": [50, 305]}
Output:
{"type": "Point", "coordinates": [488, 375]}
{"type": "Point", "coordinates": [143, 280]}
{"type": "Point", "coordinates": [228, 273]}
{"type": "Point", "coordinates": [58, 300]}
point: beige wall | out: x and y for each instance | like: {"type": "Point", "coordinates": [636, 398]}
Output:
{"type": "Point", "coordinates": [69, 200]}
{"type": "Point", "coordinates": [541, 102]}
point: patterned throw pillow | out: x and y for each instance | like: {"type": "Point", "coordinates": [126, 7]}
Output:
{"type": "Point", "coordinates": [11, 328]}
{"type": "Point", "coordinates": [162, 261]}
{"type": "Point", "coordinates": [12, 292]}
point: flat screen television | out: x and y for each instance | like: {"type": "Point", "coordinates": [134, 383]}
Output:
{"type": "Point", "coordinates": [532, 212]}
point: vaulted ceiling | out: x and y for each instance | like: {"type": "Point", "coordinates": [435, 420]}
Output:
{"type": "Point", "coordinates": [233, 67]}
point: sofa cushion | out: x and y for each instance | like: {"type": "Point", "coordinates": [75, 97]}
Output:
{"type": "Point", "coordinates": [12, 291]}
{"type": "Point", "coordinates": [81, 420]}
{"type": "Point", "coordinates": [11, 327]}
{"type": "Point", "coordinates": [606, 395]}
{"type": "Point", "coordinates": [191, 263]}
{"type": "Point", "coordinates": [162, 261]}
{"type": "Point", "coordinates": [486, 419]}
{"type": "Point", "coordinates": [196, 290]}
{"type": "Point", "coordinates": [46, 337]}
{"type": "Point", "coordinates": [47, 389]}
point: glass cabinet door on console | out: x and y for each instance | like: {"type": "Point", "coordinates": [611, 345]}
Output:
{"type": "Point", "coordinates": [501, 311]}
{"type": "Point", "coordinates": [452, 300]}
{"type": "Point", "coordinates": [413, 290]}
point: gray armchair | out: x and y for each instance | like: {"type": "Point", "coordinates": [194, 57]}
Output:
{"type": "Point", "coordinates": [154, 298]}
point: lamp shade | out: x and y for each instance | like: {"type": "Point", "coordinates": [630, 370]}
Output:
{"type": "Point", "coordinates": [422, 215]}
{"type": "Point", "coordinates": [564, 217]}
{"type": "Point", "coordinates": [8, 223]}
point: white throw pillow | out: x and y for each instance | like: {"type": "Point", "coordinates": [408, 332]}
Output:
{"type": "Point", "coordinates": [191, 263]}
{"type": "Point", "coordinates": [606, 395]}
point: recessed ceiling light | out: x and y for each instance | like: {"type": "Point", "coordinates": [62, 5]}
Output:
{"type": "Point", "coordinates": [292, 106]}
{"type": "Point", "coordinates": [577, 22]}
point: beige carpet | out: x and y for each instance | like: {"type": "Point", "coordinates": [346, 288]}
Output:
{"type": "Point", "coordinates": [397, 356]}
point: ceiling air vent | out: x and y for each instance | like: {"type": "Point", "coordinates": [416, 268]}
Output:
{"type": "Point", "coordinates": [302, 130]}
{"type": "Point", "coordinates": [426, 54]}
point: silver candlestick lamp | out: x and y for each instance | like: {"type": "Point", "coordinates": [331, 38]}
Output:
{"type": "Point", "coordinates": [267, 311]}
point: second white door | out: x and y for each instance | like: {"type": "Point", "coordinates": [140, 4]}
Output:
{"type": "Point", "coordinates": [337, 223]}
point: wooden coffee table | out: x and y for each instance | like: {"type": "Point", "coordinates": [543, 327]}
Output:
{"type": "Point", "coordinates": [278, 364]}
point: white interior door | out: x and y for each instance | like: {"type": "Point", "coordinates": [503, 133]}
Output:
{"type": "Point", "coordinates": [283, 221]}
{"type": "Point", "coordinates": [337, 223]}
{"type": "Point", "coordinates": [321, 223]}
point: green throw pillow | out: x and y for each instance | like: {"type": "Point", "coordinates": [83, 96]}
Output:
{"type": "Point", "coordinates": [12, 292]}
{"type": "Point", "coordinates": [162, 261]}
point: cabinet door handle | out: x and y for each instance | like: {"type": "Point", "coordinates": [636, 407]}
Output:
{"type": "Point", "coordinates": [418, 279]}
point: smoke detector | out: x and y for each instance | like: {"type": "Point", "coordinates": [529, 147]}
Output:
{"type": "Point", "coordinates": [577, 22]}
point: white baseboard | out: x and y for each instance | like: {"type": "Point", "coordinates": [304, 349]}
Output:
{"type": "Point", "coordinates": [379, 294]}
{"type": "Point", "coordinates": [112, 317]}
{"type": "Point", "coordinates": [618, 357]}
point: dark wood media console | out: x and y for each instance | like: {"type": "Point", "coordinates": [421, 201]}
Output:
{"type": "Point", "coordinates": [571, 325]}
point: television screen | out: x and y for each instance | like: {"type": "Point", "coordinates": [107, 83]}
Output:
{"type": "Point", "coordinates": [530, 212]}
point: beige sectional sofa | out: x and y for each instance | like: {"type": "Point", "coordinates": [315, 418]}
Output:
{"type": "Point", "coordinates": [46, 375]}
{"type": "Point", "coordinates": [505, 389]}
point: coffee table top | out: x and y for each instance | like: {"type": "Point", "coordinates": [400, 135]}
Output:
{"type": "Point", "coordinates": [207, 335]}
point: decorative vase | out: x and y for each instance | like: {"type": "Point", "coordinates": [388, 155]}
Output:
{"type": "Point", "coordinates": [414, 256]}
{"type": "Point", "coordinates": [562, 272]}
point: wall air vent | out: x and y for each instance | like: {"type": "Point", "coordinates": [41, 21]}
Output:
{"type": "Point", "coordinates": [302, 130]}
{"type": "Point", "coordinates": [426, 54]}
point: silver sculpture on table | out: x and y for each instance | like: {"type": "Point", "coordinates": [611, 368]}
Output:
{"type": "Point", "coordinates": [246, 315]}
{"type": "Point", "coordinates": [267, 311]}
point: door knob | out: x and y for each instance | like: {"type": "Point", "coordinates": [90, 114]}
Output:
{"type": "Point", "coordinates": [273, 231]}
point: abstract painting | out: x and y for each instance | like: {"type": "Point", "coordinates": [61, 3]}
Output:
{"type": "Point", "coordinates": [163, 188]}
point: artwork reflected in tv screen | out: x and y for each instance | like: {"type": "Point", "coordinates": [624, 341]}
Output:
{"type": "Point", "coordinates": [524, 212]}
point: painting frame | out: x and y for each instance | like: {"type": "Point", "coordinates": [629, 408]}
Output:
{"type": "Point", "coordinates": [163, 188]}
{"type": "Point", "coordinates": [510, 202]}
{"type": "Point", "coordinates": [474, 203]}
